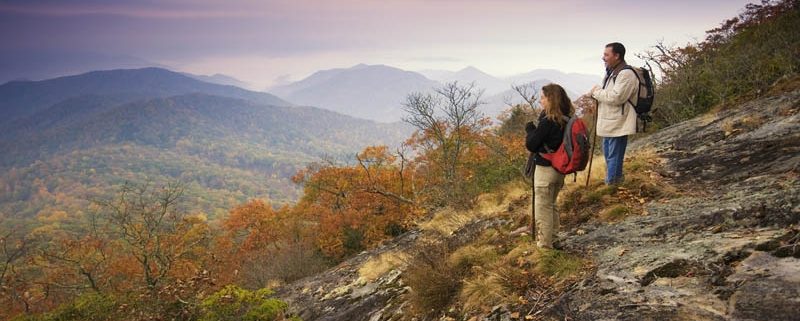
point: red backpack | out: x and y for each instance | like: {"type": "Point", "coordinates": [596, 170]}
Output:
{"type": "Point", "coordinates": [573, 154]}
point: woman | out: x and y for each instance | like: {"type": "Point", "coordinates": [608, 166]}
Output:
{"type": "Point", "coordinates": [547, 182]}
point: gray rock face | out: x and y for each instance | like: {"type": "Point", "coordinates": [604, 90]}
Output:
{"type": "Point", "coordinates": [725, 249]}
{"type": "Point", "coordinates": [340, 293]}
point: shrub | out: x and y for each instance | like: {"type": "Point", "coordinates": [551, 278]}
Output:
{"type": "Point", "coordinates": [740, 59]}
{"type": "Point", "coordinates": [235, 303]}
{"type": "Point", "coordinates": [433, 281]}
{"type": "Point", "coordinates": [89, 307]}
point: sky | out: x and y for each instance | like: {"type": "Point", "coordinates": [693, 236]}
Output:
{"type": "Point", "coordinates": [271, 42]}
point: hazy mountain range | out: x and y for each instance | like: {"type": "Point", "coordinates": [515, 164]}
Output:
{"type": "Point", "coordinates": [24, 98]}
{"type": "Point", "coordinates": [369, 91]}
{"type": "Point", "coordinates": [377, 92]}
{"type": "Point", "coordinates": [70, 139]}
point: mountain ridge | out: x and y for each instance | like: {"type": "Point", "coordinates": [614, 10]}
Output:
{"type": "Point", "coordinates": [23, 98]}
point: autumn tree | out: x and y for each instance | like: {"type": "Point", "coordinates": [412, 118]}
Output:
{"type": "Point", "coordinates": [153, 231]}
{"type": "Point", "coordinates": [448, 122]}
{"type": "Point", "coordinates": [356, 207]}
{"type": "Point", "coordinates": [263, 245]}
{"type": "Point", "coordinates": [15, 249]}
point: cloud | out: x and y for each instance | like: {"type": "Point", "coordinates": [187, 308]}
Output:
{"type": "Point", "coordinates": [434, 59]}
{"type": "Point", "coordinates": [62, 9]}
{"type": "Point", "coordinates": [258, 41]}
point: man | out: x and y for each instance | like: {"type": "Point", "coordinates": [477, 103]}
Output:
{"type": "Point", "coordinates": [616, 117]}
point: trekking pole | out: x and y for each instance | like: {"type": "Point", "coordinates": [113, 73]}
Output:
{"type": "Point", "coordinates": [594, 141]}
{"type": "Point", "coordinates": [533, 205]}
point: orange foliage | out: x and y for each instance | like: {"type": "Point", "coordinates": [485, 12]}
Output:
{"type": "Point", "coordinates": [356, 207]}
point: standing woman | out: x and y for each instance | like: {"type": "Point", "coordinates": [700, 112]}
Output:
{"type": "Point", "coordinates": [547, 182]}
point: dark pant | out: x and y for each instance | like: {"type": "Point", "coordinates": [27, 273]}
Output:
{"type": "Point", "coordinates": [614, 152]}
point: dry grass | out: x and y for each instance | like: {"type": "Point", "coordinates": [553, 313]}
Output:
{"type": "Point", "coordinates": [500, 268]}
{"type": "Point", "coordinates": [492, 203]}
{"type": "Point", "coordinates": [379, 266]}
{"type": "Point", "coordinates": [732, 127]}
{"type": "Point", "coordinates": [433, 281]}
{"type": "Point", "coordinates": [448, 220]}
{"type": "Point", "coordinates": [642, 184]}
{"type": "Point", "coordinates": [615, 213]}
{"type": "Point", "coordinates": [483, 291]}
{"type": "Point", "coordinates": [473, 255]}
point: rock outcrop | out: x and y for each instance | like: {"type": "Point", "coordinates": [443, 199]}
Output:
{"type": "Point", "coordinates": [727, 248]}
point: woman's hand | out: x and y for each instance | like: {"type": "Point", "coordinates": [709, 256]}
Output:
{"type": "Point", "coordinates": [529, 127]}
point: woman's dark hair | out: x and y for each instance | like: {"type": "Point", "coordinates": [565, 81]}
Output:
{"type": "Point", "coordinates": [617, 48]}
{"type": "Point", "coordinates": [558, 104]}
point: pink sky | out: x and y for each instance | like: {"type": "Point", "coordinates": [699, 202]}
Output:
{"type": "Point", "coordinates": [261, 41]}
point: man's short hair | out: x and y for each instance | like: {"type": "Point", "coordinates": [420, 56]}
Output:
{"type": "Point", "coordinates": [617, 48]}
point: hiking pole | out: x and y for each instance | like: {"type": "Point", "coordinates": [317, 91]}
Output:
{"type": "Point", "coordinates": [594, 141]}
{"type": "Point", "coordinates": [533, 205]}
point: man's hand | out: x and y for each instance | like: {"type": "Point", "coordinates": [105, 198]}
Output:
{"type": "Point", "coordinates": [529, 127]}
{"type": "Point", "coordinates": [591, 109]}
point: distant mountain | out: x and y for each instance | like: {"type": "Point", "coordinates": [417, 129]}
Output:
{"type": "Point", "coordinates": [577, 83]}
{"type": "Point", "coordinates": [101, 133]}
{"type": "Point", "coordinates": [46, 64]}
{"type": "Point", "coordinates": [491, 84]}
{"type": "Point", "coordinates": [373, 92]}
{"type": "Point", "coordinates": [219, 79]}
{"type": "Point", "coordinates": [497, 103]}
{"type": "Point", "coordinates": [24, 98]}
{"type": "Point", "coordinates": [499, 93]}
{"type": "Point", "coordinates": [436, 74]}
{"type": "Point", "coordinates": [79, 123]}
{"type": "Point", "coordinates": [376, 91]}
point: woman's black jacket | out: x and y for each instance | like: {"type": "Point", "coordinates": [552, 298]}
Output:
{"type": "Point", "coordinates": [547, 133]}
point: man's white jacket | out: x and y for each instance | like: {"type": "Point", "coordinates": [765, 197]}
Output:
{"type": "Point", "coordinates": [616, 116]}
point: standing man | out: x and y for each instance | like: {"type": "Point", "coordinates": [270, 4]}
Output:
{"type": "Point", "coordinates": [616, 117]}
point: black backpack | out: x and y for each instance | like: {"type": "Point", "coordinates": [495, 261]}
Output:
{"type": "Point", "coordinates": [645, 94]}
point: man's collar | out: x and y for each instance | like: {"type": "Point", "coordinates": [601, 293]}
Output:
{"type": "Point", "coordinates": [616, 69]}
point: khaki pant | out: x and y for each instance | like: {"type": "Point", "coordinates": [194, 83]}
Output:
{"type": "Point", "coordinates": [547, 182]}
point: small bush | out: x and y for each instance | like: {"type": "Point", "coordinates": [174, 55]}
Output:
{"type": "Point", "coordinates": [740, 59]}
{"type": "Point", "coordinates": [433, 281]}
{"type": "Point", "coordinates": [89, 307]}
{"type": "Point", "coordinates": [557, 263]}
{"type": "Point", "coordinates": [235, 303]}
{"type": "Point", "coordinates": [615, 213]}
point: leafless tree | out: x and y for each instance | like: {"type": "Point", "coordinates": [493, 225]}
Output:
{"type": "Point", "coordinates": [448, 116]}
{"type": "Point", "coordinates": [526, 91]}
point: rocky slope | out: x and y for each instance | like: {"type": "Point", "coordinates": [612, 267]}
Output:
{"type": "Point", "coordinates": [724, 248]}
{"type": "Point", "coordinates": [727, 248]}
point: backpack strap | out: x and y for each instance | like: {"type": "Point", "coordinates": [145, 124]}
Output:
{"type": "Point", "coordinates": [638, 89]}
{"type": "Point", "coordinates": [566, 139]}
